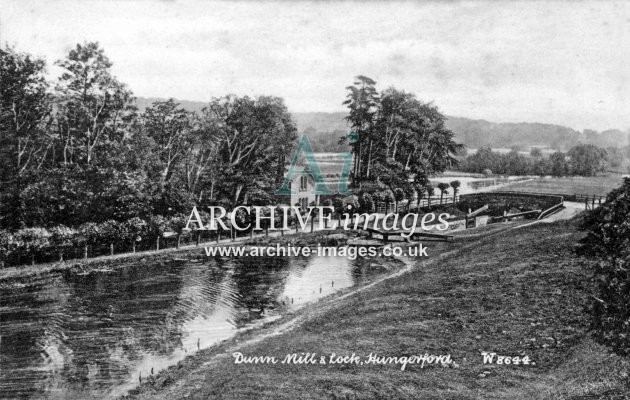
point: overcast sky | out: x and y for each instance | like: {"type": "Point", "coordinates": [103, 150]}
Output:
{"type": "Point", "coordinates": [564, 63]}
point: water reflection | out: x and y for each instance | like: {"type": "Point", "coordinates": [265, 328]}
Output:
{"type": "Point", "coordinates": [93, 335]}
{"type": "Point", "coordinates": [309, 283]}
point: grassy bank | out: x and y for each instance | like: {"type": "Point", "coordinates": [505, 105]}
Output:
{"type": "Point", "coordinates": [594, 185]}
{"type": "Point", "coordinates": [522, 293]}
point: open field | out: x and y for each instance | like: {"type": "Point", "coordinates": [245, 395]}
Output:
{"type": "Point", "coordinates": [522, 293]}
{"type": "Point", "coordinates": [449, 173]}
{"type": "Point", "coordinates": [596, 185]}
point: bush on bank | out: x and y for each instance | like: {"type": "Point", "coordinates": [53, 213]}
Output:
{"type": "Point", "coordinates": [608, 241]}
{"type": "Point", "coordinates": [91, 239]}
{"type": "Point", "coordinates": [30, 245]}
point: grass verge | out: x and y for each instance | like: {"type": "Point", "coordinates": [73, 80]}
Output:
{"type": "Point", "coordinates": [594, 185]}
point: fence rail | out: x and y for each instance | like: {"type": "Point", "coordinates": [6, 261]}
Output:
{"type": "Point", "coordinates": [550, 211]}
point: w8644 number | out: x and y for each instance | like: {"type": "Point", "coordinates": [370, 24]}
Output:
{"type": "Point", "coordinates": [494, 358]}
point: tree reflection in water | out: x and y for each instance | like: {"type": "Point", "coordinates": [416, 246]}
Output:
{"type": "Point", "coordinates": [80, 335]}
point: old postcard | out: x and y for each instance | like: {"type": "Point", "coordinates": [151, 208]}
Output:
{"type": "Point", "coordinates": [314, 199]}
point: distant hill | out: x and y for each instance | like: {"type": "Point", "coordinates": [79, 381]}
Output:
{"type": "Point", "coordinates": [477, 133]}
{"type": "Point", "coordinates": [324, 130]}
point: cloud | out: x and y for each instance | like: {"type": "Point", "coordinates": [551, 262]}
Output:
{"type": "Point", "coordinates": [558, 62]}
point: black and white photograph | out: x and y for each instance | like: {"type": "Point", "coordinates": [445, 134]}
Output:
{"type": "Point", "coordinates": [355, 200]}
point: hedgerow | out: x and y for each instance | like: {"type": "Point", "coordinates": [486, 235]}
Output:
{"type": "Point", "coordinates": [29, 245]}
{"type": "Point", "coordinates": [608, 241]}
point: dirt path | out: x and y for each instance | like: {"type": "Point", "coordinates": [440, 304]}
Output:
{"type": "Point", "coordinates": [571, 209]}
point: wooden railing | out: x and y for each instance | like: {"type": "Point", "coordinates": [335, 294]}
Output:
{"type": "Point", "coordinates": [551, 210]}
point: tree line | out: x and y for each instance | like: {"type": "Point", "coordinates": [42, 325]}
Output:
{"type": "Point", "coordinates": [81, 165]}
{"type": "Point", "coordinates": [582, 160]}
{"type": "Point", "coordinates": [78, 150]}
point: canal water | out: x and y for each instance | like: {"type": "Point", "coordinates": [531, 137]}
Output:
{"type": "Point", "coordinates": [79, 335]}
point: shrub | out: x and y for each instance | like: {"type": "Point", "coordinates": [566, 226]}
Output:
{"type": "Point", "coordinates": [134, 230]}
{"type": "Point", "coordinates": [61, 238]}
{"type": "Point", "coordinates": [377, 199]}
{"type": "Point", "coordinates": [443, 187]}
{"type": "Point", "coordinates": [388, 198]}
{"type": "Point", "coordinates": [366, 202]}
{"type": "Point", "coordinates": [608, 240]}
{"type": "Point", "coordinates": [353, 202]}
{"type": "Point", "coordinates": [89, 235]}
{"type": "Point", "coordinates": [112, 232]}
{"type": "Point", "coordinates": [156, 226]}
{"type": "Point", "coordinates": [455, 185]}
{"type": "Point", "coordinates": [7, 244]}
{"type": "Point", "coordinates": [337, 202]}
{"type": "Point", "coordinates": [177, 224]}
{"type": "Point", "coordinates": [429, 190]}
{"type": "Point", "coordinates": [31, 242]}
{"type": "Point", "coordinates": [399, 195]}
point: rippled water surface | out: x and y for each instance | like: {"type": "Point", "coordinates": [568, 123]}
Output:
{"type": "Point", "coordinates": [79, 335]}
